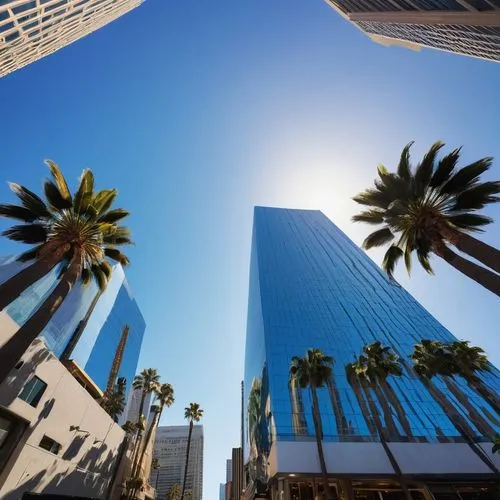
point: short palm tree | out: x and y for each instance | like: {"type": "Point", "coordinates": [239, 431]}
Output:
{"type": "Point", "coordinates": [430, 208]}
{"type": "Point", "coordinates": [371, 369]}
{"type": "Point", "coordinates": [192, 413]}
{"type": "Point", "coordinates": [174, 492]}
{"type": "Point", "coordinates": [313, 371]}
{"type": "Point", "coordinates": [164, 395]}
{"type": "Point", "coordinates": [114, 402]}
{"type": "Point", "coordinates": [78, 232]}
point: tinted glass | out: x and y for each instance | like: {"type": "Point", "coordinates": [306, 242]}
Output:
{"type": "Point", "coordinates": [33, 391]}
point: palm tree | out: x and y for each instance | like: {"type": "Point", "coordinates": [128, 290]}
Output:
{"type": "Point", "coordinates": [164, 395]}
{"type": "Point", "coordinates": [192, 413]}
{"type": "Point", "coordinates": [80, 232]}
{"type": "Point", "coordinates": [430, 208]}
{"type": "Point", "coordinates": [496, 444]}
{"type": "Point", "coordinates": [174, 492]}
{"type": "Point", "coordinates": [114, 402]}
{"type": "Point", "coordinates": [313, 371]}
{"type": "Point", "coordinates": [371, 369]}
{"type": "Point", "coordinates": [431, 358]}
{"type": "Point", "coordinates": [146, 382]}
{"type": "Point", "coordinates": [468, 362]}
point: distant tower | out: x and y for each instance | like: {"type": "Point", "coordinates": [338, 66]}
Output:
{"type": "Point", "coordinates": [32, 29]}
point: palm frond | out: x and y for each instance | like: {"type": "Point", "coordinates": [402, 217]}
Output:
{"type": "Point", "coordinates": [83, 195]}
{"type": "Point", "coordinates": [60, 182]}
{"type": "Point", "coordinates": [116, 255]}
{"type": "Point", "coordinates": [425, 169]}
{"type": "Point", "coordinates": [27, 233]}
{"type": "Point", "coordinates": [30, 200]}
{"type": "Point", "coordinates": [103, 200]}
{"type": "Point", "coordinates": [423, 258]}
{"type": "Point", "coordinates": [445, 168]}
{"type": "Point", "coordinates": [17, 212]}
{"type": "Point", "coordinates": [373, 216]}
{"type": "Point", "coordinates": [378, 238]}
{"type": "Point", "coordinates": [470, 222]}
{"type": "Point", "coordinates": [374, 198]}
{"type": "Point", "coordinates": [478, 196]}
{"type": "Point", "coordinates": [99, 277]}
{"type": "Point", "coordinates": [391, 258]}
{"type": "Point", "coordinates": [112, 216]}
{"type": "Point", "coordinates": [53, 195]}
{"type": "Point", "coordinates": [31, 254]}
{"type": "Point", "coordinates": [467, 176]}
{"type": "Point", "coordinates": [404, 169]}
{"type": "Point", "coordinates": [86, 276]}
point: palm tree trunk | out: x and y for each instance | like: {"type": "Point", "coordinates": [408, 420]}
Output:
{"type": "Point", "coordinates": [149, 435]}
{"type": "Point", "coordinates": [138, 436]}
{"type": "Point", "coordinates": [459, 422]}
{"type": "Point", "coordinates": [12, 288]}
{"type": "Point", "coordinates": [477, 419]}
{"type": "Point", "coordinates": [484, 253]}
{"type": "Point", "coordinates": [359, 393]}
{"type": "Point", "coordinates": [12, 351]}
{"type": "Point", "coordinates": [478, 386]}
{"type": "Point", "coordinates": [187, 459]}
{"type": "Point", "coordinates": [383, 442]}
{"type": "Point", "coordinates": [340, 419]}
{"type": "Point", "coordinates": [394, 401]}
{"type": "Point", "coordinates": [488, 279]}
{"type": "Point", "coordinates": [70, 347]}
{"type": "Point", "coordinates": [318, 432]}
{"type": "Point", "coordinates": [388, 418]}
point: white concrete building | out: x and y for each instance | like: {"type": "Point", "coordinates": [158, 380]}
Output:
{"type": "Point", "coordinates": [54, 436]}
{"type": "Point", "coordinates": [170, 449]}
{"type": "Point", "coordinates": [32, 29]}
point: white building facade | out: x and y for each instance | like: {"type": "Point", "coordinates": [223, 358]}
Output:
{"type": "Point", "coordinates": [32, 29]}
{"type": "Point", "coordinates": [170, 448]}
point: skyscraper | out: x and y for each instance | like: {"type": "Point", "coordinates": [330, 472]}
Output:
{"type": "Point", "coordinates": [134, 403]}
{"type": "Point", "coordinates": [312, 287]}
{"type": "Point", "coordinates": [32, 29]}
{"type": "Point", "coordinates": [98, 334]}
{"type": "Point", "coordinates": [170, 448]}
{"type": "Point", "coordinates": [469, 27]}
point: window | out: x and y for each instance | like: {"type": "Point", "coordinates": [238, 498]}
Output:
{"type": "Point", "coordinates": [33, 391]}
{"type": "Point", "coordinates": [50, 445]}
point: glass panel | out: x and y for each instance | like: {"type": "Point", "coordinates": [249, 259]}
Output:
{"type": "Point", "coordinates": [33, 391]}
{"type": "Point", "coordinates": [50, 445]}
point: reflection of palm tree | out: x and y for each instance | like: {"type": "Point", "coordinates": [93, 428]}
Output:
{"type": "Point", "coordinates": [76, 230]}
{"type": "Point", "coordinates": [340, 420]}
{"type": "Point", "coordinates": [174, 492]}
{"type": "Point", "coordinates": [299, 423]}
{"type": "Point", "coordinates": [313, 371]}
{"type": "Point", "coordinates": [114, 402]}
{"type": "Point", "coordinates": [192, 413]}
{"type": "Point", "coordinates": [371, 370]}
{"type": "Point", "coordinates": [432, 358]}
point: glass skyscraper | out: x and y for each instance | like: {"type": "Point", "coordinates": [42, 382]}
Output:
{"type": "Point", "coordinates": [95, 350]}
{"type": "Point", "coordinates": [312, 287]}
{"type": "Point", "coordinates": [469, 27]}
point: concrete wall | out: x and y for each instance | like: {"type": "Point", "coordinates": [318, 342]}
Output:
{"type": "Point", "coordinates": [86, 463]}
{"type": "Point", "coordinates": [370, 458]}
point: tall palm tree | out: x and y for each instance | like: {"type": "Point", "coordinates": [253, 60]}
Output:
{"type": "Point", "coordinates": [431, 207]}
{"type": "Point", "coordinates": [164, 395]}
{"type": "Point", "coordinates": [79, 231]}
{"type": "Point", "coordinates": [313, 371]}
{"type": "Point", "coordinates": [146, 382]}
{"type": "Point", "coordinates": [192, 413]}
{"type": "Point", "coordinates": [468, 362]}
{"type": "Point", "coordinates": [431, 358]}
{"type": "Point", "coordinates": [371, 368]}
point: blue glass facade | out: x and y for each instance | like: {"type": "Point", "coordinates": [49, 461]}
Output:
{"type": "Point", "coordinates": [312, 287]}
{"type": "Point", "coordinates": [97, 345]}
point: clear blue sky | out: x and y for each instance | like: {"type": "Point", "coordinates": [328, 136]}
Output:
{"type": "Point", "coordinates": [197, 111]}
